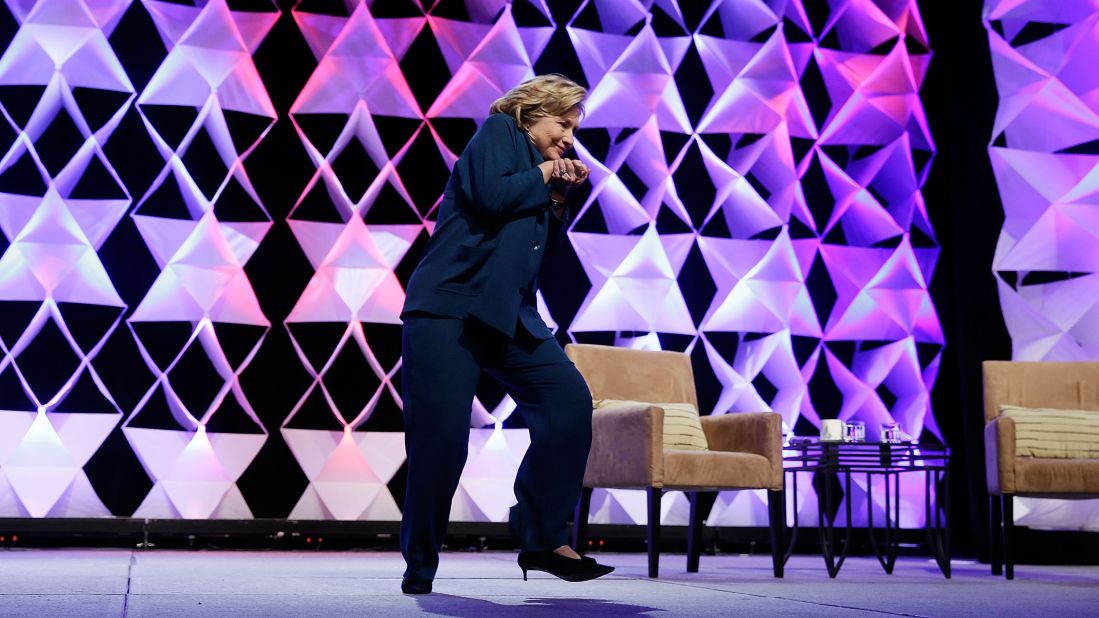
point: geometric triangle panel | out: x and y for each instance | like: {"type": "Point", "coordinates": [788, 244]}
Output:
{"type": "Point", "coordinates": [1045, 158]}
{"type": "Point", "coordinates": [63, 94]}
{"type": "Point", "coordinates": [238, 262]}
{"type": "Point", "coordinates": [206, 109]}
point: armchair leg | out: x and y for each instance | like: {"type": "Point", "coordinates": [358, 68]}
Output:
{"type": "Point", "coordinates": [580, 520]}
{"type": "Point", "coordinates": [776, 510]}
{"type": "Point", "coordinates": [1008, 507]}
{"type": "Point", "coordinates": [995, 535]}
{"type": "Point", "coordinates": [694, 532]}
{"type": "Point", "coordinates": [654, 531]}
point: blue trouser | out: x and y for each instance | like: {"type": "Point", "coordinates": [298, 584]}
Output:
{"type": "Point", "coordinates": [442, 363]}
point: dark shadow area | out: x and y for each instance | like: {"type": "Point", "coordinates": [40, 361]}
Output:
{"type": "Point", "coordinates": [451, 605]}
{"type": "Point", "coordinates": [963, 203]}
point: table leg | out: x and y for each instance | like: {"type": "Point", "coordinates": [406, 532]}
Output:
{"type": "Point", "coordinates": [847, 515]}
{"type": "Point", "coordinates": [887, 552]}
{"type": "Point", "coordinates": [934, 523]}
{"type": "Point", "coordinates": [794, 530]}
{"type": "Point", "coordinates": [894, 499]}
{"type": "Point", "coordinates": [870, 515]}
{"type": "Point", "coordinates": [827, 528]}
{"type": "Point", "coordinates": [870, 518]}
{"type": "Point", "coordinates": [946, 519]}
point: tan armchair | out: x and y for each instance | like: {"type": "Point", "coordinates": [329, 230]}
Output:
{"type": "Point", "coordinates": [1062, 386]}
{"type": "Point", "coordinates": [745, 450]}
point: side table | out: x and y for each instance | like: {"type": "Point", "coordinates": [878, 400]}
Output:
{"type": "Point", "coordinates": [838, 460]}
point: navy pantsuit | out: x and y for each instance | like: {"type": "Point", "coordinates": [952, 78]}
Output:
{"type": "Point", "coordinates": [470, 309]}
{"type": "Point", "coordinates": [444, 359]}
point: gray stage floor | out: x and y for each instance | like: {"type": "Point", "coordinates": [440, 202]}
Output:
{"type": "Point", "coordinates": [53, 582]}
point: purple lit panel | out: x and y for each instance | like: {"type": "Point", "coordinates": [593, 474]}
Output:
{"type": "Point", "coordinates": [50, 272]}
{"type": "Point", "coordinates": [755, 201]}
{"type": "Point", "coordinates": [864, 151]}
{"type": "Point", "coordinates": [1045, 154]}
{"type": "Point", "coordinates": [202, 288]}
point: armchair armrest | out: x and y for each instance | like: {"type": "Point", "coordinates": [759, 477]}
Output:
{"type": "Point", "coordinates": [1000, 455]}
{"type": "Point", "coordinates": [627, 449]}
{"type": "Point", "coordinates": [759, 433]}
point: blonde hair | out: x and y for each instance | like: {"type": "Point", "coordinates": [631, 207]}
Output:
{"type": "Point", "coordinates": [539, 97]}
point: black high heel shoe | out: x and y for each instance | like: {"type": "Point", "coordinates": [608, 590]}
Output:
{"type": "Point", "coordinates": [568, 569]}
{"type": "Point", "coordinates": [415, 586]}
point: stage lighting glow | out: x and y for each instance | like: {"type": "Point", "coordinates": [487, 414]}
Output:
{"type": "Point", "coordinates": [755, 201]}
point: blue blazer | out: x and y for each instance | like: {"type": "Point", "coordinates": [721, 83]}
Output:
{"type": "Point", "coordinates": [493, 225]}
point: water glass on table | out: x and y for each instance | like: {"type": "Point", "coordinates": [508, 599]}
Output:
{"type": "Point", "coordinates": [891, 432]}
{"type": "Point", "coordinates": [855, 431]}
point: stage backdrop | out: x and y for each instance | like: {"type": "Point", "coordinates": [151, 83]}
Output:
{"type": "Point", "coordinates": [210, 209]}
{"type": "Point", "coordinates": [1045, 153]}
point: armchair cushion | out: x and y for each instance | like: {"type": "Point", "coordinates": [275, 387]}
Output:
{"type": "Point", "coordinates": [682, 427]}
{"type": "Point", "coordinates": [715, 470]}
{"type": "Point", "coordinates": [1058, 477]}
{"type": "Point", "coordinates": [1054, 434]}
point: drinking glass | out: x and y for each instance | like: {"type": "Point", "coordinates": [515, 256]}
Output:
{"type": "Point", "coordinates": [856, 431]}
{"type": "Point", "coordinates": [891, 432]}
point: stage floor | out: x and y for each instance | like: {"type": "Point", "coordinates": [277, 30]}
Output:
{"type": "Point", "coordinates": [59, 582]}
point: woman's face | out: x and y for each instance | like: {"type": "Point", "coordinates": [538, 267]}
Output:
{"type": "Point", "coordinates": [552, 135]}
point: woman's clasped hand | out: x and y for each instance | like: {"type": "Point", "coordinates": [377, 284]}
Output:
{"type": "Point", "coordinates": [569, 172]}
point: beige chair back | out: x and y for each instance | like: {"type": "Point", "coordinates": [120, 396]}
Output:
{"type": "Point", "coordinates": [1067, 385]}
{"type": "Point", "coordinates": [637, 375]}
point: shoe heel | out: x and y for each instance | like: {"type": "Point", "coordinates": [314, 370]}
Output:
{"type": "Point", "coordinates": [524, 575]}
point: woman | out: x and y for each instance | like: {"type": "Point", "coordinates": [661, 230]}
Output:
{"type": "Point", "coordinates": [470, 308]}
